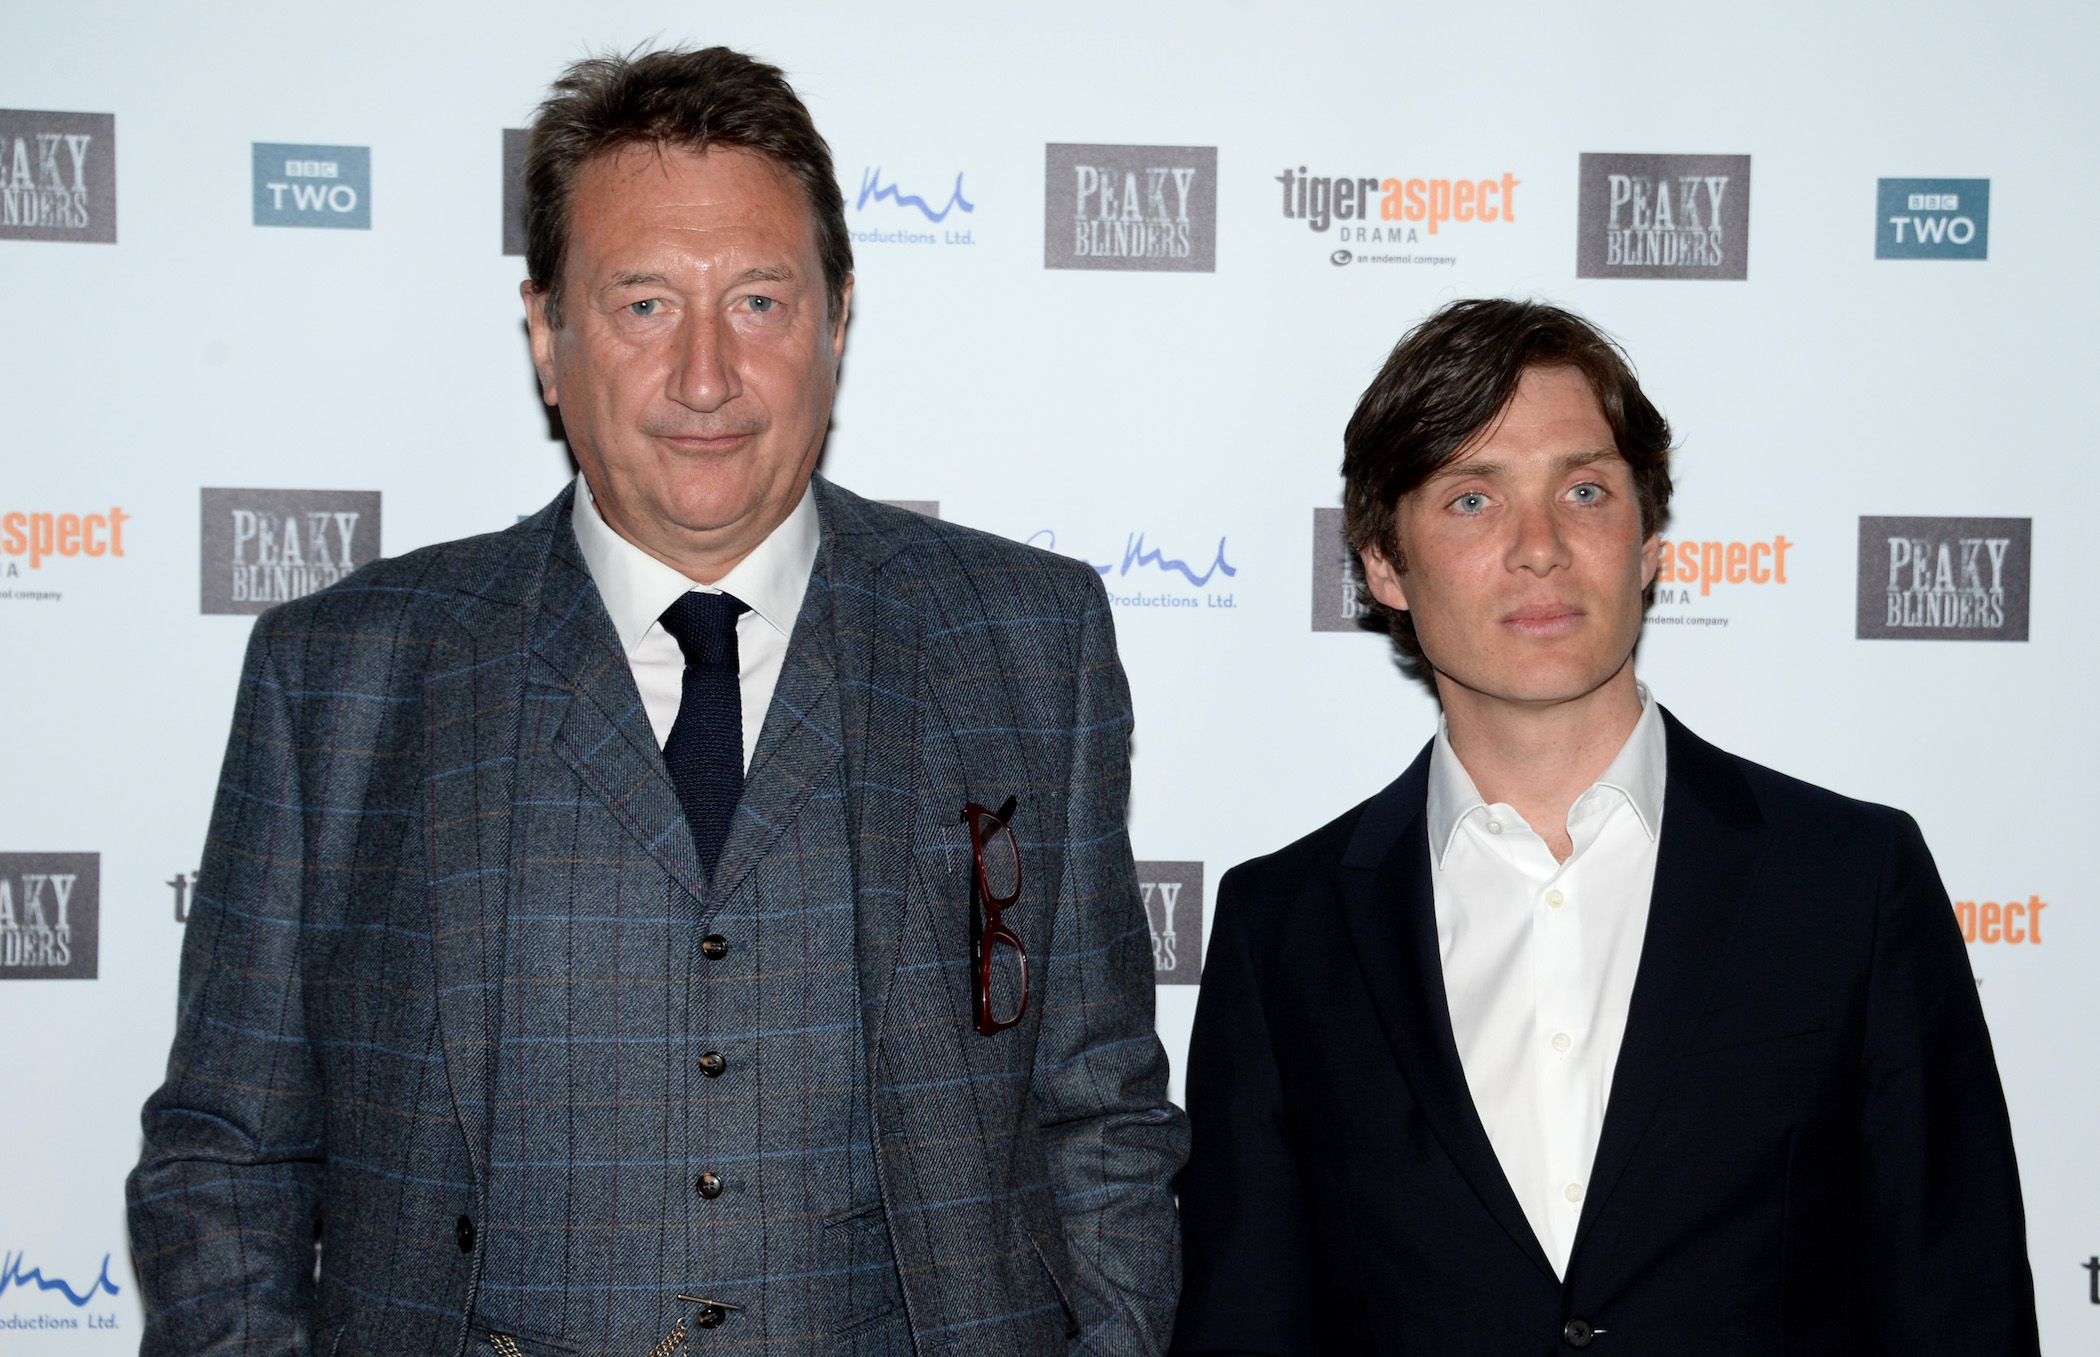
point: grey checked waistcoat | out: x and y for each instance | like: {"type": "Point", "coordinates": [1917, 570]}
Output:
{"type": "Point", "coordinates": [605, 1119]}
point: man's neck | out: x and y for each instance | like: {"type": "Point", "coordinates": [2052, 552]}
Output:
{"type": "Point", "coordinates": [1539, 757]}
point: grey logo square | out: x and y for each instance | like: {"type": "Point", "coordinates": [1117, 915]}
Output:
{"type": "Point", "coordinates": [931, 508]}
{"type": "Point", "coordinates": [1173, 895]}
{"type": "Point", "coordinates": [1130, 207]}
{"type": "Point", "coordinates": [50, 915]}
{"type": "Point", "coordinates": [1932, 219]}
{"type": "Point", "coordinates": [329, 187]}
{"type": "Point", "coordinates": [58, 176]}
{"type": "Point", "coordinates": [261, 548]}
{"type": "Point", "coordinates": [515, 140]}
{"type": "Point", "coordinates": [1334, 603]}
{"type": "Point", "coordinates": [1663, 216]}
{"type": "Point", "coordinates": [1944, 579]}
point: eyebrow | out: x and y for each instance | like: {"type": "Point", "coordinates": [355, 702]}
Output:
{"type": "Point", "coordinates": [1567, 462]}
{"type": "Point", "coordinates": [763, 274]}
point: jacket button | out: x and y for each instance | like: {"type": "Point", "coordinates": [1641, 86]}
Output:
{"type": "Point", "coordinates": [463, 1231]}
{"type": "Point", "coordinates": [714, 947]}
{"type": "Point", "coordinates": [1578, 1333]}
{"type": "Point", "coordinates": [712, 1064]}
{"type": "Point", "coordinates": [709, 1186]}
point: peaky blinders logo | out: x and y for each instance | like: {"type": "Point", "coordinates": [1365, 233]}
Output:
{"type": "Point", "coordinates": [1664, 216]}
{"type": "Point", "coordinates": [1335, 605]}
{"type": "Point", "coordinates": [1173, 896]}
{"type": "Point", "coordinates": [58, 176]}
{"type": "Point", "coordinates": [1944, 579]}
{"type": "Point", "coordinates": [1130, 207]}
{"type": "Point", "coordinates": [515, 140]}
{"type": "Point", "coordinates": [261, 548]}
{"type": "Point", "coordinates": [50, 915]}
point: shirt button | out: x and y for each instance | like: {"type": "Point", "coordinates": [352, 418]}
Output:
{"type": "Point", "coordinates": [710, 1186]}
{"type": "Point", "coordinates": [1562, 1041]}
{"type": "Point", "coordinates": [712, 1064]}
{"type": "Point", "coordinates": [1494, 826]}
{"type": "Point", "coordinates": [1554, 899]}
{"type": "Point", "coordinates": [1573, 1191]}
{"type": "Point", "coordinates": [714, 947]}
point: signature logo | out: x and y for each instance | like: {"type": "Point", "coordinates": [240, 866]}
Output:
{"type": "Point", "coordinates": [1340, 257]}
{"type": "Point", "coordinates": [1136, 556]}
{"type": "Point", "coordinates": [11, 1274]}
{"type": "Point", "coordinates": [872, 188]}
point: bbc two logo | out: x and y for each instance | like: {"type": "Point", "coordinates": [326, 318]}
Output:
{"type": "Point", "coordinates": [325, 187]}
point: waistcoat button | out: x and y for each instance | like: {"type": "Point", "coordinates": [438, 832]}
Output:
{"type": "Point", "coordinates": [710, 1186]}
{"type": "Point", "coordinates": [714, 947]}
{"type": "Point", "coordinates": [463, 1231]}
{"type": "Point", "coordinates": [712, 1064]}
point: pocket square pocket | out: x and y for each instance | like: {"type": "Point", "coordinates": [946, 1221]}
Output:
{"type": "Point", "coordinates": [1761, 1020]}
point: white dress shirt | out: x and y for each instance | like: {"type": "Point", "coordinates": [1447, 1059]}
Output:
{"type": "Point", "coordinates": [1539, 962]}
{"type": "Point", "coordinates": [637, 588]}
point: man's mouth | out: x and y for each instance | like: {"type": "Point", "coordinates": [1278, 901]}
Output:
{"type": "Point", "coordinates": [1544, 620]}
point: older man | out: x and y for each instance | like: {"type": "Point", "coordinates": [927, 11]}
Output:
{"type": "Point", "coordinates": [700, 915]}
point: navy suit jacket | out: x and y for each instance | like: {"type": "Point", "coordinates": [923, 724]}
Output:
{"type": "Point", "coordinates": [1806, 1149]}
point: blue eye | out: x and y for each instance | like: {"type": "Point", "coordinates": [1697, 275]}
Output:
{"type": "Point", "coordinates": [763, 304]}
{"type": "Point", "coordinates": [1588, 494]}
{"type": "Point", "coordinates": [647, 308]}
{"type": "Point", "coordinates": [1470, 503]}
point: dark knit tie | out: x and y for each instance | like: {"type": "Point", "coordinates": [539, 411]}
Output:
{"type": "Point", "coordinates": [706, 750]}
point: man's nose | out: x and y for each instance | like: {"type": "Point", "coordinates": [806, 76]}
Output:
{"type": "Point", "coordinates": [703, 376]}
{"type": "Point", "coordinates": [1539, 545]}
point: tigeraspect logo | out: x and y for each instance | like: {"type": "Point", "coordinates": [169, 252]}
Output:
{"type": "Point", "coordinates": [1391, 210]}
{"type": "Point", "coordinates": [918, 212]}
{"type": "Point", "coordinates": [32, 538]}
{"type": "Point", "coordinates": [1145, 576]}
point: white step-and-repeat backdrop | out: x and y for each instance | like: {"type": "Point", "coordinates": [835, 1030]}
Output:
{"type": "Point", "coordinates": [1123, 270]}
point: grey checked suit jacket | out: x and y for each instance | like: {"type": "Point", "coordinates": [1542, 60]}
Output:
{"type": "Point", "coordinates": [336, 1042]}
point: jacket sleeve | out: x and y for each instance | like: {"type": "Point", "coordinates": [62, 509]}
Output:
{"type": "Point", "coordinates": [1944, 1258]}
{"type": "Point", "coordinates": [225, 1197]}
{"type": "Point", "coordinates": [1247, 1278]}
{"type": "Point", "coordinates": [1113, 1140]}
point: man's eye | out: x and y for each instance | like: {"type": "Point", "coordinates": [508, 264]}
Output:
{"type": "Point", "coordinates": [763, 304]}
{"type": "Point", "coordinates": [1587, 494]}
{"type": "Point", "coordinates": [1470, 503]}
{"type": "Point", "coordinates": [646, 308]}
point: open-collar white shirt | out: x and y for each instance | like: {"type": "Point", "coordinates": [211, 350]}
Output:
{"type": "Point", "coordinates": [637, 588]}
{"type": "Point", "coordinates": [1539, 962]}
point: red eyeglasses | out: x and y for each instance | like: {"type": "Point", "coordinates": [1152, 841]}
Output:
{"type": "Point", "coordinates": [996, 954]}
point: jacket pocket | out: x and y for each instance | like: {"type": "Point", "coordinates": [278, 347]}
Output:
{"type": "Point", "coordinates": [1760, 1020]}
{"type": "Point", "coordinates": [508, 1340]}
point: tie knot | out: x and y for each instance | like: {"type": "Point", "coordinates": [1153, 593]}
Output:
{"type": "Point", "coordinates": [704, 625]}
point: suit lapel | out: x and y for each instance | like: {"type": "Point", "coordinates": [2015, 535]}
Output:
{"type": "Point", "coordinates": [604, 730]}
{"type": "Point", "coordinates": [1712, 840]}
{"type": "Point", "coordinates": [471, 705]}
{"type": "Point", "coordinates": [1390, 909]}
{"type": "Point", "coordinates": [798, 744]}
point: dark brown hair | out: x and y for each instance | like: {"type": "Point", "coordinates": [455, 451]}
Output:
{"type": "Point", "coordinates": [1445, 383]}
{"type": "Point", "coordinates": [690, 100]}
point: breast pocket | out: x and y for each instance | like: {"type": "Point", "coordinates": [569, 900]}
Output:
{"type": "Point", "coordinates": [1761, 1020]}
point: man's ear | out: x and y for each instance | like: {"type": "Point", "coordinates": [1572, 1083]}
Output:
{"type": "Point", "coordinates": [1651, 558]}
{"type": "Point", "coordinates": [542, 339]}
{"type": "Point", "coordinates": [1383, 579]}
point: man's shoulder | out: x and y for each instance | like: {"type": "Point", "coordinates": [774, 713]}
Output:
{"type": "Point", "coordinates": [1793, 808]}
{"type": "Point", "coordinates": [411, 598]}
{"type": "Point", "coordinates": [1274, 879]}
{"type": "Point", "coordinates": [945, 557]}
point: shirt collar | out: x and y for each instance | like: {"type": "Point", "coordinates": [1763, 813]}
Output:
{"type": "Point", "coordinates": [1639, 772]}
{"type": "Point", "coordinates": [637, 587]}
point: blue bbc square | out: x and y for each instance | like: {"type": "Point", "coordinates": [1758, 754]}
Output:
{"type": "Point", "coordinates": [329, 187]}
{"type": "Point", "coordinates": [1933, 219]}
